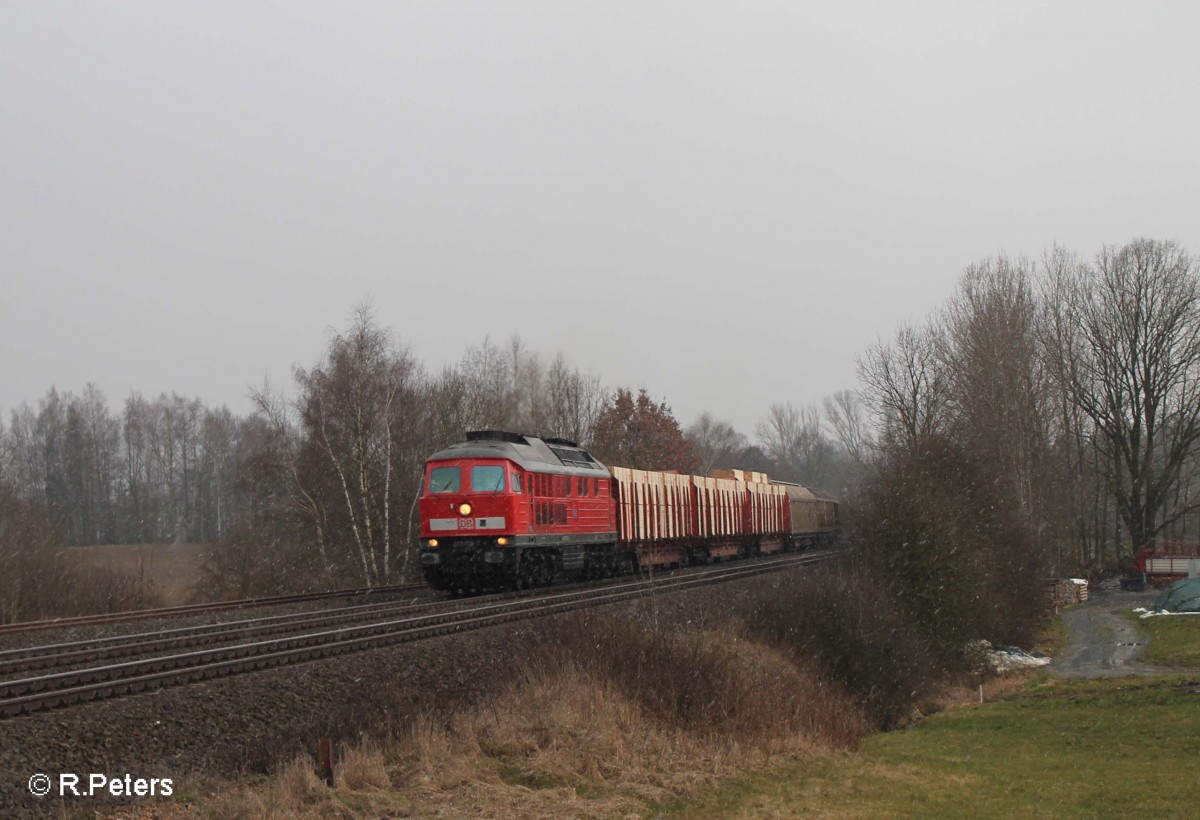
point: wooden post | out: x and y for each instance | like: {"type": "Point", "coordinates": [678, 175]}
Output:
{"type": "Point", "coordinates": [325, 760]}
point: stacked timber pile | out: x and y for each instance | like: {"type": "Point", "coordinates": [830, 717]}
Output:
{"type": "Point", "coordinates": [1067, 591]}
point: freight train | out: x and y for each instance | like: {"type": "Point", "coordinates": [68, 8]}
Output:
{"type": "Point", "coordinates": [509, 511]}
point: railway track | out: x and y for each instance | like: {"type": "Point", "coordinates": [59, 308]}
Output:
{"type": "Point", "coordinates": [201, 609]}
{"type": "Point", "coordinates": [50, 691]}
{"type": "Point", "coordinates": [90, 650]}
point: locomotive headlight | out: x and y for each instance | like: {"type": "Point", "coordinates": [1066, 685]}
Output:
{"type": "Point", "coordinates": [502, 540]}
{"type": "Point", "coordinates": [464, 508]}
{"type": "Point", "coordinates": [432, 543]}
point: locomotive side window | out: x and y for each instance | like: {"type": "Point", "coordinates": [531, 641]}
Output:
{"type": "Point", "coordinates": [567, 481]}
{"type": "Point", "coordinates": [445, 480]}
{"type": "Point", "coordinates": [516, 483]}
{"type": "Point", "coordinates": [487, 479]}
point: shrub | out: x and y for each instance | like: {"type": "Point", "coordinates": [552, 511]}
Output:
{"type": "Point", "coordinates": [848, 623]}
{"type": "Point", "coordinates": [708, 682]}
{"type": "Point", "coordinates": [949, 542]}
{"type": "Point", "coordinates": [250, 563]}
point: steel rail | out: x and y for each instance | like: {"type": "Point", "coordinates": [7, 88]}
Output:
{"type": "Point", "coordinates": [199, 609]}
{"type": "Point", "coordinates": [49, 656]}
{"type": "Point", "coordinates": [49, 691]}
{"type": "Point", "coordinates": [89, 650]}
{"type": "Point", "coordinates": [86, 650]}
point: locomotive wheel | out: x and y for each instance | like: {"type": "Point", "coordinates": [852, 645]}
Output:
{"type": "Point", "coordinates": [530, 571]}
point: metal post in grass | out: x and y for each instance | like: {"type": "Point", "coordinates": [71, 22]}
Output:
{"type": "Point", "coordinates": [325, 760]}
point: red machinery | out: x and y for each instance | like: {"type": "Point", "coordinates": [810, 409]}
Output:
{"type": "Point", "coordinates": [1163, 561]}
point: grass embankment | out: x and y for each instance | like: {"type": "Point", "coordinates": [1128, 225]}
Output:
{"type": "Point", "coordinates": [610, 717]}
{"type": "Point", "coordinates": [1108, 748]}
{"type": "Point", "coordinates": [1174, 640]}
{"type": "Point", "coordinates": [625, 717]}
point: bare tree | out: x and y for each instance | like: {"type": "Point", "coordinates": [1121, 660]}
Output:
{"type": "Point", "coordinates": [998, 393]}
{"type": "Point", "coordinates": [305, 497]}
{"type": "Point", "coordinates": [716, 442]}
{"type": "Point", "coordinates": [844, 413]}
{"type": "Point", "coordinates": [487, 371]}
{"type": "Point", "coordinates": [793, 439]}
{"type": "Point", "coordinates": [350, 405]}
{"type": "Point", "coordinates": [1129, 358]}
{"type": "Point", "coordinates": [904, 385]}
{"type": "Point", "coordinates": [574, 400]}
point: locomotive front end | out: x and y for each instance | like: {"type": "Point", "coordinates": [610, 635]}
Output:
{"type": "Point", "coordinates": [470, 512]}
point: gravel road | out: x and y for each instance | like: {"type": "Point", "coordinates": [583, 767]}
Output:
{"type": "Point", "coordinates": [1104, 643]}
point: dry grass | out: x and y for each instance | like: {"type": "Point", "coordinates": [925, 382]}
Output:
{"type": "Point", "coordinates": [579, 736]}
{"type": "Point", "coordinates": [169, 572]}
{"type": "Point", "coordinates": [995, 688]}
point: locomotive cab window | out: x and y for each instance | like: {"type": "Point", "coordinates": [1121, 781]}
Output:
{"type": "Point", "coordinates": [487, 479]}
{"type": "Point", "coordinates": [516, 483]}
{"type": "Point", "coordinates": [445, 480]}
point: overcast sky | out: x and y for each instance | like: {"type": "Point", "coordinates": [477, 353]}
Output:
{"type": "Point", "coordinates": [722, 202]}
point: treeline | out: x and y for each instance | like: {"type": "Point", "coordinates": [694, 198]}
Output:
{"type": "Point", "coordinates": [1073, 385]}
{"type": "Point", "coordinates": [163, 470]}
{"type": "Point", "coordinates": [1069, 388]}
{"type": "Point", "coordinates": [319, 484]}
{"type": "Point", "coordinates": [1043, 422]}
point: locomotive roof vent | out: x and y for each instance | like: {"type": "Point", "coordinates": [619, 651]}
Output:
{"type": "Point", "coordinates": [496, 435]}
{"type": "Point", "coordinates": [574, 456]}
{"type": "Point", "coordinates": [562, 442]}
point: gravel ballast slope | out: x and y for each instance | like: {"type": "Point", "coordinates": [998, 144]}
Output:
{"type": "Point", "coordinates": [247, 723]}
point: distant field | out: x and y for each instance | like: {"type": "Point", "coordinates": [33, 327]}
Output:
{"type": "Point", "coordinates": [172, 569]}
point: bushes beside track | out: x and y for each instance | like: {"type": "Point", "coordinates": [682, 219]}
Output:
{"type": "Point", "coordinates": [707, 681]}
{"type": "Point", "coordinates": [846, 624]}
{"type": "Point", "coordinates": [939, 556]}
{"type": "Point", "coordinates": [42, 580]}
{"type": "Point", "coordinates": [942, 534]}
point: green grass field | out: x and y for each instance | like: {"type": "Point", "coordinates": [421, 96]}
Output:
{"type": "Point", "coordinates": [1112, 748]}
{"type": "Point", "coordinates": [1174, 640]}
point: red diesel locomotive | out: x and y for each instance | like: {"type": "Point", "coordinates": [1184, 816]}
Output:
{"type": "Point", "coordinates": [504, 510]}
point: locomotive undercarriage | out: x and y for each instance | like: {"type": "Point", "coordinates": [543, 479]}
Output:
{"type": "Point", "coordinates": [473, 565]}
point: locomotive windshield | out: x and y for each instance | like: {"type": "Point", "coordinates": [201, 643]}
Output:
{"type": "Point", "coordinates": [489, 479]}
{"type": "Point", "coordinates": [445, 480]}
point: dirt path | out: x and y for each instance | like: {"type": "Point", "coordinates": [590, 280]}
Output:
{"type": "Point", "coordinates": [1104, 642]}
